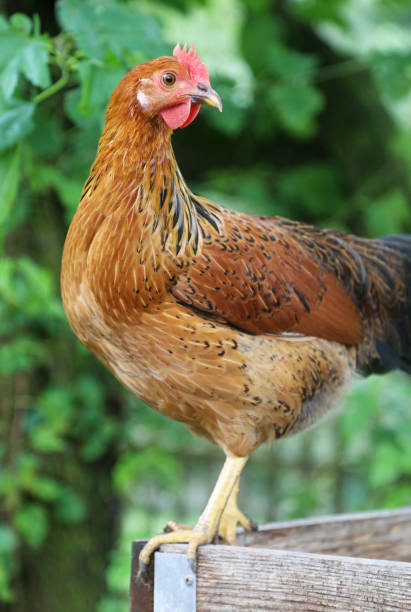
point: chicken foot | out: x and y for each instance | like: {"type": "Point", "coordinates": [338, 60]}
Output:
{"type": "Point", "coordinates": [220, 515]}
{"type": "Point", "coordinates": [231, 517]}
{"type": "Point", "coordinates": [227, 528]}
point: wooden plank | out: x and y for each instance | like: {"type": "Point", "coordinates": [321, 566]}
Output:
{"type": "Point", "coordinates": [257, 579]}
{"type": "Point", "coordinates": [141, 595]}
{"type": "Point", "coordinates": [383, 534]}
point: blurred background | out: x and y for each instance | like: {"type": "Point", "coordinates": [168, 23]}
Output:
{"type": "Point", "coordinates": [316, 126]}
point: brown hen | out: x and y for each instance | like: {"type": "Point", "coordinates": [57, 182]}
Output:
{"type": "Point", "coordinates": [244, 328]}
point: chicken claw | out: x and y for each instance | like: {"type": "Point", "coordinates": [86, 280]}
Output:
{"type": "Point", "coordinates": [174, 526]}
{"type": "Point", "coordinates": [231, 517]}
{"type": "Point", "coordinates": [210, 523]}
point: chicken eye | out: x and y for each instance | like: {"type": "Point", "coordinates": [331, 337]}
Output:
{"type": "Point", "coordinates": [168, 79]}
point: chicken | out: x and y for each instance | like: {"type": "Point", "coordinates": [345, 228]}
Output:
{"type": "Point", "coordinates": [245, 328]}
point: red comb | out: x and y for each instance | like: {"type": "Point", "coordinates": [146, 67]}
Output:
{"type": "Point", "coordinates": [190, 60]}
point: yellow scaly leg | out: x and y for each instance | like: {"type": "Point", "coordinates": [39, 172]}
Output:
{"type": "Point", "coordinates": [208, 523]}
{"type": "Point", "coordinates": [231, 517]}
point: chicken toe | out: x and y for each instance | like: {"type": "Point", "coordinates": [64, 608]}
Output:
{"type": "Point", "coordinates": [208, 524]}
{"type": "Point", "coordinates": [231, 518]}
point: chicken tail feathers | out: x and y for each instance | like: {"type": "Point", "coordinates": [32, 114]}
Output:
{"type": "Point", "coordinates": [394, 346]}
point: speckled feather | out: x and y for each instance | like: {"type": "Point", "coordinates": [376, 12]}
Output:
{"type": "Point", "coordinates": [244, 328]}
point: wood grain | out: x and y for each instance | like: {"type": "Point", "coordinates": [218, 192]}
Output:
{"type": "Point", "coordinates": [141, 595]}
{"type": "Point", "coordinates": [258, 579]}
{"type": "Point", "coordinates": [383, 534]}
{"type": "Point", "coordinates": [294, 565]}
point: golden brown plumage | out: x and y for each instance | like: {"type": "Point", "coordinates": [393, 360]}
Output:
{"type": "Point", "coordinates": [244, 328]}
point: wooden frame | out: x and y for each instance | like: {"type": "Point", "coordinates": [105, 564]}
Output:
{"type": "Point", "coordinates": [350, 562]}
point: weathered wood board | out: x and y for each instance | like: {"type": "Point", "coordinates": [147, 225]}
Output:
{"type": "Point", "coordinates": [257, 579]}
{"type": "Point", "coordinates": [384, 534]}
{"type": "Point", "coordinates": [355, 562]}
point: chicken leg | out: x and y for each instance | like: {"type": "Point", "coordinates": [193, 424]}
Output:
{"type": "Point", "coordinates": [221, 515]}
{"type": "Point", "coordinates": [231, 517]}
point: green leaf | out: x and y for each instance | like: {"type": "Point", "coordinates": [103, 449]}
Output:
{"type": "Point", "coordinates": [27, 470]}
{"type": "Point", "coordinates": [291, 66]}
{"type": "Point", "coordinates": [361, 409]}
{"type": "Point", "coordinates": [20, 355]}
{"type": "Point", "coordinates": [387, 214]}
{"type": "Point", "coordinates": [393, 73]}
{"type": "Point", "coordinates": [16, 121]}
{"type": "Point", "coordinates": [28, 291]}
{"type": "Point", "coordinates": [133, 467]}
{"type": "Point", "coordinates": [32, 522]}
{"type": "Point", "coordinates": [98, 439]}
{"type": "Point", "coordinates": [232, 120]}
{"type": "Point", "coordinates": [263, 32]}
{"type": "Point", "coordinates": [112, 604]}
{"type": "Point", "coordinates": [397, 496]}
{"type": "Point", "coordinates": [98, 82]}
{"type": "Point", "coordinates": [8, 549]}
{"type": "Point", "coordinates": [22, 54]}
{"type": "Point", "coordinates": [69, 507]}
{"type": "Point", "coordinates": [318, 11]}
{"type": "Point", "coordinates": [4, 24]}
{"type": "Point", "coordinates": [47, 138]}
{"type": "Point", "coordinates": [9, 181]}
{"type": "Point", "coordinates": [311, 189]}
{"type": "Point", "coordinates": [7, 595]}
{"type": "Point", "coordinates": [117, 27]}
{"type": "Point", "coordinates": [45, 176]}
{"type": "Point", "coordinates": [54, 409]}
{"type": "Point", "coordinates": [402, 148]}
{"type": "Point", "coordinates": [8, 540]}
{"type": "Point", "coordinates": [386, 464]}
{"type": "Point", "coordinates": [35, 59]}
{"type": "Point", "coordinates": [8, 484]}
{"type": "Point", "coordinates": [46, 440]}
{"type": "Point", "coordinates": [21, 22]}
{"type": "Point", "coordinates": [296, 105]}
{"type": "Point", "coordinates": [46, 489]}
{"type": "Point", "coordinates": [12, 45]}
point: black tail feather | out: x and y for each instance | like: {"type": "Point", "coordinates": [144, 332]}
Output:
{"type": "Point", "coordinates": [394, 349]}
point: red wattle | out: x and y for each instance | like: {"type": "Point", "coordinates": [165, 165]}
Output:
{"type": "Point", "coordinates": [193, 114]}
{"type": "Point", "coordinates": [176, 116]}
{"type": "Point", "coordinates": [180, 115]}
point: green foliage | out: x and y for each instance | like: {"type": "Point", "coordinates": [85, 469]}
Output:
{"type": "Point", "coordinates": [284, 76]}
{"type": "Point", "coordinates": [31, 522]}
{"type": "Point", "coordinates": [16, 121]}
{"type": "Point", "coordinates": [8, 547]}
{"type": "Point", "coordinates": [116, 28]}
{"type": "Point", "coordinates": [388, 213]}
{"type": "Point", "coordinates": [316, 126]}
{"type": "Point", "coordinates": [153, 463]}
{"type": "Point", "coordinates": [318, 12]}
{"type": "Point", "coordinates": [22, 53]}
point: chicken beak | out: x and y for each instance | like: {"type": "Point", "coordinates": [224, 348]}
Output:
{"type": "Point", "coordinates": [207, 96]}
